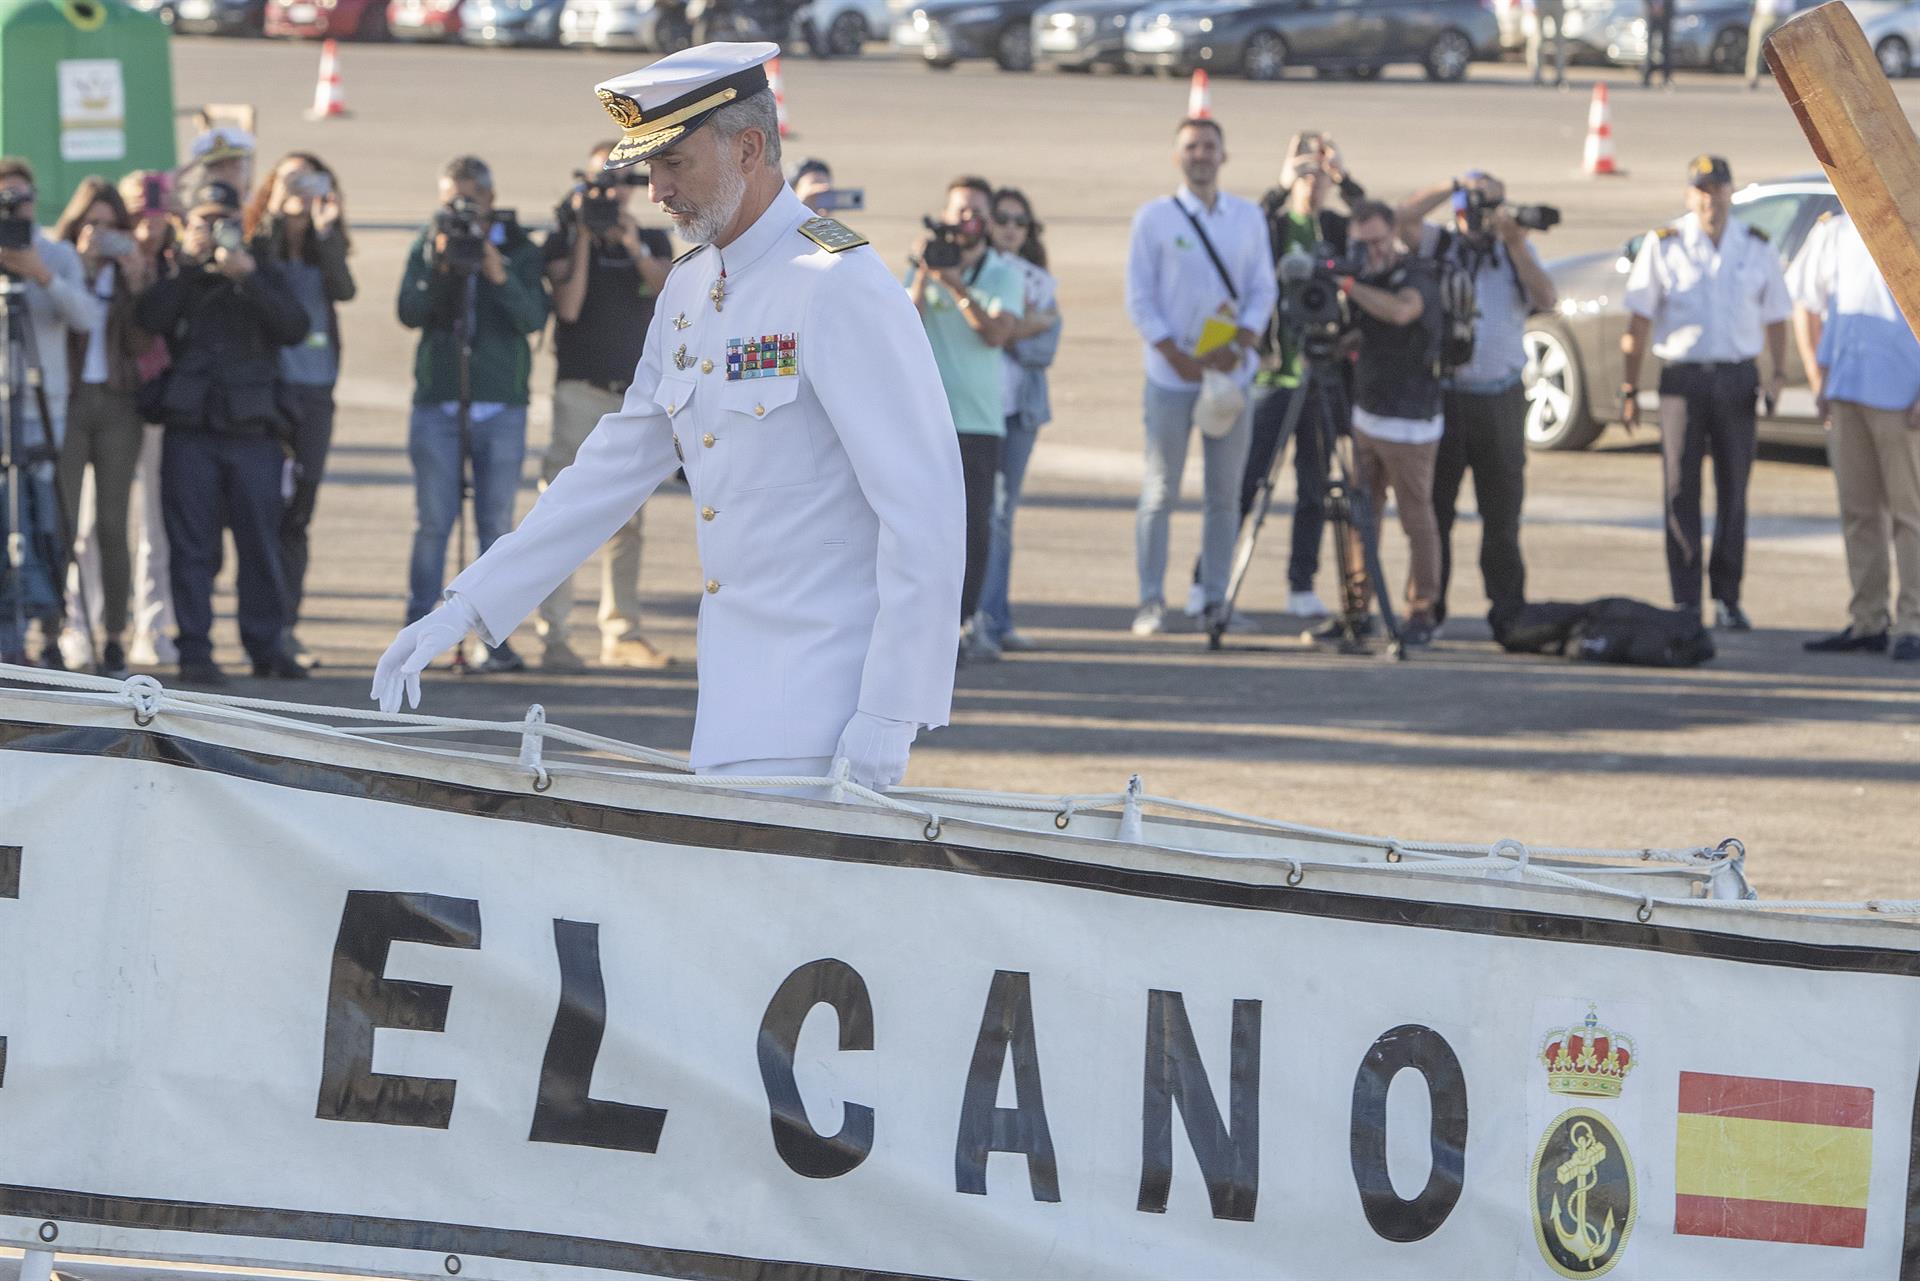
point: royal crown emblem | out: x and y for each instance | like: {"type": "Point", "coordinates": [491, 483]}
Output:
{"type": "Point", "coordinates": [623, 109]}
{"type": "Point", "coordinates": [1588, 1059]}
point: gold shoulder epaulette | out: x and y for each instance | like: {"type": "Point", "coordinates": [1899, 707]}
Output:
{"type": "Point", "coordinates": [1825, 217]}
{"type": "Point", "coordinates": [690, 253]}
{"type": "Point", "coordinates": [831, 235]}
{"type": "Point", "coordinates": [1664, 233]}
{"type": "Point", "coordinates": [1757, 234]}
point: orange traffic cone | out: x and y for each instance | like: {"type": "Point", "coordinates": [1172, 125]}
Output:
{"type": "Point", "coordinates": [328, 101]}
{"type": "Point", "coordinates": [1599, 157]}
{"type": "Point", "coordinates": [779, 96]}
{"type": "Point", "coordinates": [1200, 97]}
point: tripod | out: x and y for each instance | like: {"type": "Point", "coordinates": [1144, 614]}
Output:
{"type": "Point", "coordinates": [1349, 509]}
{"type": "Point", "coordinates": [20, 361]}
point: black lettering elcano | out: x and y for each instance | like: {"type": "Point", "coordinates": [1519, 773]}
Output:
{"type": "Point", "coordinates": [563, 1112]}
{"type": "Point", "coordinates": [804, 1149]}
{"type": "Point", "coordinates": [9, 888]}
{"type": "Point", "coordinates": [1425, 1051]}
{"type": "Point", "coordinates": [1006, 1025]}
{"type": "Point", "coordinates": [361, 998]}
{"type": "Point", "coordinates": [1228, 1153]}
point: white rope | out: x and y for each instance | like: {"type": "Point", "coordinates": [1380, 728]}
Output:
{"type": "Point", "coordinates": [147, 698]}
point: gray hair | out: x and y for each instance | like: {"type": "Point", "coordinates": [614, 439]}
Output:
{"type": "Point", "coordinates": [469, 169]}
{"type": "Point", "coordinates": [756, 111]}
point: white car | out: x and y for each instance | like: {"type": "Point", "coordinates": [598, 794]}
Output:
{"type": "Point", "coordinates": [1895, 38]}
{"type": "Point", "coordinates": [838, 28]}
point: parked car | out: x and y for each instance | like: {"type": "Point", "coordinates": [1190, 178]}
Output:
{"type": "Point", "coordinates": [327, 19]}
{"type": "Point", "coordinates": [161, 9]}
{"type": "Point", "coordinates": [1895, 37]}
{"type": "Point", "coordinates": [510, 22]}
{"type": "Point", "coordinates": [626, 24]}
{"type": "Point", "coordinates": [842, 28]}
{"type": "Point", "coordinates": [424, 19]}
{"type": "Point", "coordinates": [1706, 33]}
{"type": "Point", "coordinates": [946, 31]}
{"type": "Point", "coordinates": [1079, 35]}
{"type": "Point", "coordinates": [1573, 354]}
{"type": "Point", "coordinates": [1262, 40]}
{"type": "Point", "coordinates": [219, 17]}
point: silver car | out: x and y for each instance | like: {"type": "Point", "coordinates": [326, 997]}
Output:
{"type": "Point", "coordinates": [625, 24]}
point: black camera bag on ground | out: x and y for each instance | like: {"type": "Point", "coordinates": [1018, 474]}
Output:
{"type": "Point", "coordinates": [1613, 630]}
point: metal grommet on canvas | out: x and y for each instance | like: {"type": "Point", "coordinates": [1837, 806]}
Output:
{"type": "Point", "coordinates": [1063, 818]}
{"type": "Point", "coordinates": [932, 830]}
{"type": "Point", "coordinates": [1295, 873]}
{"type": "Point", "coordinates": [1394, 855]}
{"type": "Point", "coordinates": [452, 1265]}
{"type": "Point", "coordinates": [49, 1231]}
{"type": "Point", "coordinates": [143, 695]}
{"type": "Point", "coordinates": [1645, 910]}
{"type": "Point", "coordinates": [542, 781]}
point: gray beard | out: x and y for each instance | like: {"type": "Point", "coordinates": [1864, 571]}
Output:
{"type": "Point", "coordinates": [707, 223]}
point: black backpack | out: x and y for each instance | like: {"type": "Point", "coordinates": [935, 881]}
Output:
{"type": "Point", "coordinates": [1613, 630]}
{"type": "Point", "coordinates": [1459, 308]}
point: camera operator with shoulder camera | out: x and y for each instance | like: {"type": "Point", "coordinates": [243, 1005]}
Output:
{"type": "Point", "coordinates": [1397, 319]}
{"type": "Point", "coordinates": [970, 299]}
{"type": "Point", "coordinates": [606, 273]}
{"type": "Point", "coordinates": [473, 288]}
{"type": "Point", "coordinates": [48, 299]}
{"type": "Point", "coordinates": [1486, 401]}
{"type": "Point", "coordinates": [225, 317]}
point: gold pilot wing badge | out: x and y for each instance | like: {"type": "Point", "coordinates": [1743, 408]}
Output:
{"type": "Point", "coordinates": [831, 235]}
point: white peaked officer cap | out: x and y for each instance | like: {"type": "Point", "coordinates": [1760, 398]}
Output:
{"type": "Point", "coordinates": [659, 105]}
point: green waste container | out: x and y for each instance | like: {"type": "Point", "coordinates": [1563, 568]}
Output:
{"type": "Point", "coordinates": [86, 87]}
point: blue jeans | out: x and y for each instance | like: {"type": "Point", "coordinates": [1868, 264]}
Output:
{"type": "Point", "coordinates": [497, 446]}
{"type": "Point", "coordinates": [1169, 423]}
{"type": "Point", "coordinates": [1006, 500]}
{"type": "Point", "coordinates": [41, 549]}
{"type": "Point", "coordinates": [211, 483]}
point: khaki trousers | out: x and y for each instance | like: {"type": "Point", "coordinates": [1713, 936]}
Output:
{"type": "Point", "coordinates": [1380, 465]}
{"type": "Point", "coordinates": [1876, 468]}
{"type": "Point", "coordinates": [578, 407]}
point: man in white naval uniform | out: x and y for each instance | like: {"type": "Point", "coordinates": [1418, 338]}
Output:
{"type": "Point", "coordinates": [786, 372]}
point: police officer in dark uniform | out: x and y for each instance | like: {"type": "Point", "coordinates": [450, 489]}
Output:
{"type": "Point", "coordinates": [1708, 290]}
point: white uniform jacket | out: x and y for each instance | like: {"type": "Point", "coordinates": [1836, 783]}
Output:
{"type": "Point", "coordinates": [825, 474]}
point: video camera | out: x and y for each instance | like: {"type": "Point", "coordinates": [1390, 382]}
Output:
{"type": "Point", "coordinates": [1474, 205]}
{"type": "Point", "coordinates": [16, 228]}
{"type": "Point", "coordinates": [466, 228]}
{"type": "Point", "coordinates": [1310, 303]}
{"type": "Point", "coordinates": [951, 240]}
{"type": "Point", "coordinates": [602, 199]}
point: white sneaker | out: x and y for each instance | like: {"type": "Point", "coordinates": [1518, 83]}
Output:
{"type": "Point", "coordinates": [1307, 605]}
{"type": "Point", "coordinates": [1196, 601]}
{"type": "Point", "coordinates": [1151, 620]}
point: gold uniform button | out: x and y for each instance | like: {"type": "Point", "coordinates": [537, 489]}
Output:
{"type": "Point", "coordinates": [707, 440]}
{"type": "Point", "coordinates": [706, 366]}
{"type": "Point", "coordinates": [759, 411]}
{"type": "Point", "coordinates": [706, 513]}
{"type": "Point", "coordinates": [712, 587]}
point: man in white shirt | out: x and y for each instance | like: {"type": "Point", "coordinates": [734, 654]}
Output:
{"type": "Point", "coordinates": [1196, 257]}
{"type": "Point", "coordinates": [1708, 291]}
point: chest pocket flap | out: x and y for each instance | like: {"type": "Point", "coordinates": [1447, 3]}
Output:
{"type": "Point", "coordinates": [673, 394]}
{"type": "Point", "coordinates": [764, 419]}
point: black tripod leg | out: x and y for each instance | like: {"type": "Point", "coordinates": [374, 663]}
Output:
{"type": "Point", "coordinates": [1370, 545]}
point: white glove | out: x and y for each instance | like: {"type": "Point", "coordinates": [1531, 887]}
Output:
{"type": "Point", "coordinates": [417, 645]}
{"type": "Point", "coordinates": [875, 750]}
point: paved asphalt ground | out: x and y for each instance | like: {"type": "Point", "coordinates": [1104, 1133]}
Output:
{"type": "Point", "coordinates": [1812, 762]}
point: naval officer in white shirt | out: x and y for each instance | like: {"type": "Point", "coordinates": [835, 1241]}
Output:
{"type": "Point", "coordinates": [786, 372]}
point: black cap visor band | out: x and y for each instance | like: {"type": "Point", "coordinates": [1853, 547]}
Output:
{"type": "Point", "coordinates": [674, 120]}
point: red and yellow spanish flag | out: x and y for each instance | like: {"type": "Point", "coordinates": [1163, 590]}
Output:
{"type": "Point", "coordinates": [1767, 1160]}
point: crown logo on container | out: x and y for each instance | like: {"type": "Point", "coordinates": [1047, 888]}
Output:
{"type": "Point", "coordinates": [1588, 1059]}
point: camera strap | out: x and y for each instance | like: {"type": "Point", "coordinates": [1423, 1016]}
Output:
{"type": "Point", "coordinates": [1206, 243]}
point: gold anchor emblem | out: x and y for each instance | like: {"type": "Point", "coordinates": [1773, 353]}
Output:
{"type": "Point", "coordinates": [680, 321]}
{"type": "Point", "coordinates": [1582, 1240]}
{"type": "Point", "coordinates": [681, 360]}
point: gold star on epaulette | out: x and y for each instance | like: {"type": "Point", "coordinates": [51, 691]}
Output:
{"type": "Point", "coordinates": [1665, 233]}
{"type": "Point", "coordinates": [831, 235]}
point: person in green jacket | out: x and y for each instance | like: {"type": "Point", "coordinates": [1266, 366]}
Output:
{"type": "Point", "coordinates": [497, 297]}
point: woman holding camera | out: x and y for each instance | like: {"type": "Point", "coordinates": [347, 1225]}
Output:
{"type": "Point", "coordinates": [103, 424]}
{"type": "Point", "coordinates": [295, 221]}
{"type": "Point", "coordinates": [1015, 233]}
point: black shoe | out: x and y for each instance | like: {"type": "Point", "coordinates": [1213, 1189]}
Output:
{"type": "Point", "coordinates": [113, 661]}
{"type": "Point", "coordinates": [51, 658]}
{"type": "Point", "coordinates": [1729, 617]}
{"type": "Point", "coordinates": [1847, 642]}
{"type": "Point", "coordinates": [1335, 628]}
{"type": "Point", "coordinates": [502, 659]}
{"type": "Point", "coordinates": [207, 673]}
{"type": "Point", "coordinates": [299, 653]}
{"type": "Point", "coordinates": [1906, 649]}
{"type": "Point", "coordinates": [1416, 633]}
{"type": "Point", "coordinates": [280, 666]}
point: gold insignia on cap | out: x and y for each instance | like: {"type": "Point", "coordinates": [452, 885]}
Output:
{"type": "Point", "coordinates": [831, 235]}
{"type": "Point", "coordinates": [623, 109]}
{"type": "Point", "coordinates": [1703, 164]}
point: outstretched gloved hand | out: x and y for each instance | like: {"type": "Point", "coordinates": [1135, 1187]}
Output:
{"type": "Point", "coordinates": [417, 645]}
{"type": "Point", "coordinates": [875, 750]}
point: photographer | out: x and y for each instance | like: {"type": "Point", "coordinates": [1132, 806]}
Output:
{"type": "Point", "coordinates": [812, 179]}
{"type": "Point", "coordinates": [103, 424]}
{"type": "Point", "coordinates": [1397, 406]}
{"type": "Point", "coordinates": [970, 300]}
{"type": "Point", "coordinates": [1486, 403]}
{"type": "Point", "coordinates": [225, 317]}
{"type": "Point", "coordinates": [473, 287]}
{"type": "Point", "coordinates": [606, 273]}
{"type": "Point", "coordinates": [52, 301]}
{"type": "Point", "coordinates": [296, 222]}
{"type": "Point", "coordinates": [149, 201]}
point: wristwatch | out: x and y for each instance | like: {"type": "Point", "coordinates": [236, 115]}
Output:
{"type": "Point", "coordinates": [963, 301]}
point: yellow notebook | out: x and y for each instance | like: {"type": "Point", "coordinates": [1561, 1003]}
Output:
{"type": "Point", "coordinates": [1214, 335]}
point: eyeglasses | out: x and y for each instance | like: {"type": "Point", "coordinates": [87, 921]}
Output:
{"type": "Point", "coordinates": [1011, 220]}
